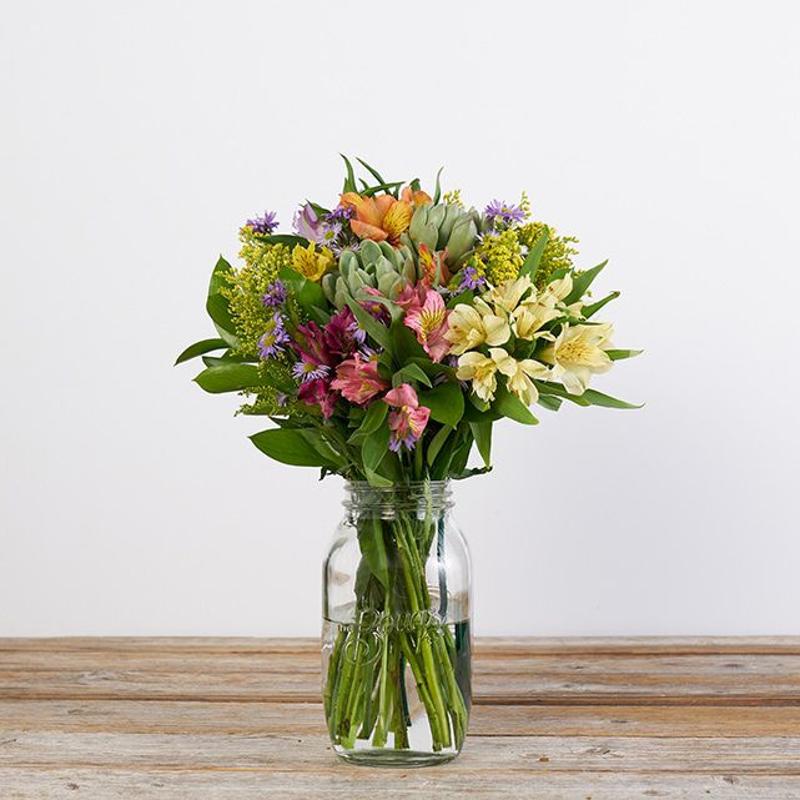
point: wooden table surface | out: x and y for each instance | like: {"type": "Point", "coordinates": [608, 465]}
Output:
{"type": "Point", "coordinates": [553, 718]}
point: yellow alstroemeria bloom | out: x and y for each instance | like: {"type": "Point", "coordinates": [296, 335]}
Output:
{"type": "Point", "coordinates": [506, 296]}
{"type": "Point", "coordinates": [479, 369]}
{"type": "Point", "coordinates": [310, 263]}
{"type": "Point", "coordinates": [470, 326]}
{"type": "Point", "coordinates": [578, 353]}
{"type": "Point", "coordinates": [519, 373]}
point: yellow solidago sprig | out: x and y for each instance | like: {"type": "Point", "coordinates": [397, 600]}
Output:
{"type": "Point", "coordinates": [310, 262]}
{"type": "Point", "coordinates": [247, 287]}
{"type": "Point", "coordinates": [557, 254]}
{"type": "Point", "coordinates": [498, 257]}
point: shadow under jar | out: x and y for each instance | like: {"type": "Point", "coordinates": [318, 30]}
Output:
{"type": "Point", "coordinates": [396, 638]}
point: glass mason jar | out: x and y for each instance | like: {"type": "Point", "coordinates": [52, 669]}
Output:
{"type": "Point", "coordinates": [396, 638]}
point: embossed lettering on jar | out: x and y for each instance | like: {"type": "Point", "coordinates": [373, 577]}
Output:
{"type": "Point", "coordinates": [396, 639]}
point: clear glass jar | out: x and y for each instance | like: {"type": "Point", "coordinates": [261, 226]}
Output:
{"type": "Point", "coordinates": [396, 636]}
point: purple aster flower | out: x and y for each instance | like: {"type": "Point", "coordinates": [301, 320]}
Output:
{"type": "Point", "coordinates": [340, 214]}
{"type": "Point", "coordinates": [306, 371]}
{"type": "Point", "coordinates": [281, 399]}
{"type": "Point", "coordinates": [265, 224]}
{"type": "Point", "coordinates": [503, 212]}
{"type": "Point", "coordinates": [470, 279]}
{"type": "Point", "coordinates": [275, 337]}
{"type": "Point", "coordinates": [275, 295]}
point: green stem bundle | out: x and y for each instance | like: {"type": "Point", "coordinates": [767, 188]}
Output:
{"type": "Point", "coordinates": [395, 629]}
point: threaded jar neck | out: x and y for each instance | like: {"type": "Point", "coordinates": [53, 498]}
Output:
{"type": "Point", "coordinates": [418, 497]}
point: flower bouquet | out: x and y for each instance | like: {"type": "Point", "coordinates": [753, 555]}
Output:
{"type": "Point", "coordinates": [383, 338]}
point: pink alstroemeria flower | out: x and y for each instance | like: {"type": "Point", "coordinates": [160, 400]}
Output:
{"type": "Point", "coordinates": [408, 421]}
{"type": "Point", "coordinates": [317, 392]}
{"type": "Point", "coordinates": [358, 380]}
{"type": "Point", "coordinates": [429, 322]}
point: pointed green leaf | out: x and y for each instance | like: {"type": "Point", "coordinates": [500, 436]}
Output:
{"type": "Point", "coordinates": [581, 283]}
{"type": "Point", "coordinates": [593, 308]}
{"type": "Point", "coordinates": [437, 443]}
{"type": "Point", "coordinates": [482, 433]}
{"type": "Point", "coordinates": [378, 332]}
{"type": "Point", "coordinates": [289, 446]}
{"type": "Point", "coordinates": [437, 192]}
{"type": "Point", "coordinates": [372, 171]}
{"type": "Point", "coordinates": [618, 355]}
{"type": "Point", "coordinates": [596, 398]}
{"type": "Point", "coordinates": [350, 180]}
{"type": "Point", "coordinates": [199, 348]}
{"type": "Point", "coordinates": [411, 372]}
{"type": "Point", "coordinates": [375, 448]}
{"type": "Point", "coordinates": [446, 403]}
{"type": "Point", "coordinates": [229, 378]}
{"type": "Point", "coordinates": [531, 264]}
{"type": "Point", "coordinates": [373, 419]}
{"type": "Point", "coordinates": [550, 402]}
{"type": "Point", "coordinates": [509, 405]}
{"type": "Point", "coordinates": [372, 545]}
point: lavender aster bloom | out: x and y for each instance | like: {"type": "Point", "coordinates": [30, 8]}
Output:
{"type": "Point", "coordinates": [275, 337]}
{"type": "Point", "coordinates": [470, 279]}
{"type": "Point", "coordinates": [306, 371]}
{"type": "Point", "coordinates": [504, 212]}
{"type": "Point", "coordinates": [265, 224]}
{"type": "Point", "coordinates": [275, 295]}
{"type": "Point", "coordinates": [340, 214]}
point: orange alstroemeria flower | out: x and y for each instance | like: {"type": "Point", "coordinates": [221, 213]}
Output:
{"type": "Point", "coordinates": [383, 218]}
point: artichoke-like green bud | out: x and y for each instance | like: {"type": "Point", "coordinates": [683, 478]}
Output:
{"type": "Point", "coordinates": [444, 227]}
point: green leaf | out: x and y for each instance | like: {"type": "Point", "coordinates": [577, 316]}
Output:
{"type": "Point", "coordinates": [557, 390]}
{"type": "Point", "coordinates": [619, 355]}
{"type": "Point", "coordinates": [550, 402]}
{"type": "Point", "coordinates": [289, 446]}
{"type": "Point", "coordinates": [350, 180]}
{"type": "Point", "coordinates": [466, 297]}
{"type": "Point", "coordinates": [411, 372]}
{"type": "Point", "coordinates": [437, 442]}
{"type": "Point", "coordinates": [199, 348]}
{"type": "Point", "coordinates": [373, 547]}
{"type": "Point", "coordinates": [375, 448]}
{"type": "Point", "coordinates": [217, 305]}
{"type": "Point", "coordinates": [381, 187]}
{"type": "Point", "coordinates": [405, 345]}
{"type": "Point", "coordinates": [531, 264]}
{"type": "Point", "coordinates": [318, 441]}
{"type": "Point", "coordinates": [581, 283]}
{"type": "Point", "coordinates": [446, 403]}
{"type": "Point", "coordinates": [509, 405]}
{"type": "Point", "coordinates": [378, 332]}
{"type": "Point", "coordinates": [482, 433]}
{"type": "Point", "coordinates": [437, 192]}
{"type": "Point", "coordinates": [229, 378]}
{"type": "Point", "coordinates": [285, 238]}
{"type": "Point", "coordinates": [606, 401]}
{"type": "Point", "coordinates": [372, 171]}
{"type": "Point", "coordinates": [468, 473]}
{"type": "Point", "coordinates": [373, 419]}
{"type": "Point", "coordinates": [593, 308]}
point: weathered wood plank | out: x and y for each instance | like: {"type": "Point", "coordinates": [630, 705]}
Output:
{"type": "Point", "coordinates": [636, 645]}
{"type": "Point", "coordinates": [558, 685]}
{"type": "Point", "coordinates": [348, 783]}
{"type": "Point", "coordinates": [131, 716]}
{"type": "Point", "coordinates": [729, 666]}
{"type": "Point", "coordinates": [282, 752]}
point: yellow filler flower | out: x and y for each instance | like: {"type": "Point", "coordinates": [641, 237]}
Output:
{"type": "Point", "coordinates": [578, 353]}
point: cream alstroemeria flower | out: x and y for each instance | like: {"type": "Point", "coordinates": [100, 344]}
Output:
{"type": "Point", "coordinates": [530, 315]}
{"type": "Point", "coordinates": [558, 290]}
{"type": "Point", "coordinates": [481, 370]}
{"type": "Point", "coordinates": [472, 325]}
{"type": "Point", "coordinates": [578, 353]}
{"type": "Point", "coordinates": [519, 374]}
{"type": "Point", "coordinates": [505, 297]}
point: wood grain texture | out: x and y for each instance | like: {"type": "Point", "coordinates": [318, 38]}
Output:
{"type": "Point", "coordinates": [554, 718]}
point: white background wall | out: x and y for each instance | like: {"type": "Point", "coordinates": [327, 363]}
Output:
{"type": "Point", "coordinates": [135, 138]}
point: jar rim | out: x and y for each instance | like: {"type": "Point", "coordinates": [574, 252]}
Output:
{"type": "Point", "coordinates": [413, 494]}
